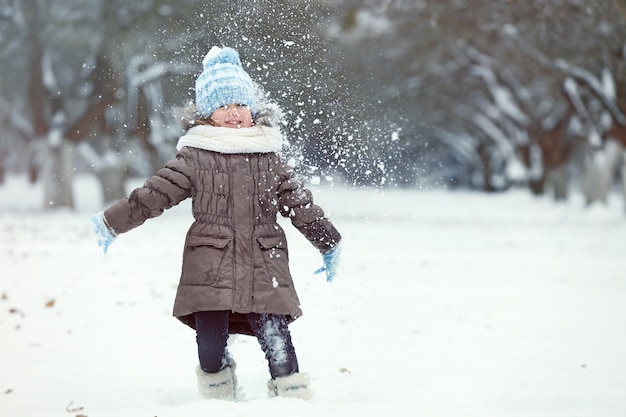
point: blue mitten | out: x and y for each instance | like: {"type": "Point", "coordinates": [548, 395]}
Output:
{"type": "Point", "coordinates": [104, 234]}
{"type": "Point", "coordinates": [331, 263]}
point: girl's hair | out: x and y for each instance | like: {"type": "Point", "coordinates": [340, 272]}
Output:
{"type": "Point", "coordinates": [268, 113]}
{"type": "Point", "coordinates": [188, 116]}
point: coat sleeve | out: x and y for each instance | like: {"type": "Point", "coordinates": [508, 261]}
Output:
{"type": "Point", "coordinates": [168, 187]}
{"type": "Point", "coordinates": [296, 202]}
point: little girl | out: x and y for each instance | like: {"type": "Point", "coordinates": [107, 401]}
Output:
{"type": "Point", "coordinates": [235, 273]}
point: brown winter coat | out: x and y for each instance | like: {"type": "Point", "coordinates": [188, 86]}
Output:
{"type": "Point", "coordinates": [235, 256]}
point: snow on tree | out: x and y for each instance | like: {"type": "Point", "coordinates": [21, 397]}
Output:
{"type": "Point", "coordinates": [376, 93]}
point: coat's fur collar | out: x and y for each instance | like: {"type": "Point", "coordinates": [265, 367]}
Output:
{"type": "Point", "coordinates": [256, 139]}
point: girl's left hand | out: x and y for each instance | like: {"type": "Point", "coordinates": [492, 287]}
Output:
{"type": "Point", "coordinates": [331, 263]}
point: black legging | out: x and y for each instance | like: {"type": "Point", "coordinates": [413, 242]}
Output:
{"type": "Point", "coordinates": [271, 331]}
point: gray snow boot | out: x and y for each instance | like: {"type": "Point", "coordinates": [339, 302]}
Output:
{"type": "Point", "coordinates": [221, 385]}
{"type": "Point", "coordinates": [291, 386]}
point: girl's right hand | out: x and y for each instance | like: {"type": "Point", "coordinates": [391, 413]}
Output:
{"type": "Point", "coordinates": [104, 235]}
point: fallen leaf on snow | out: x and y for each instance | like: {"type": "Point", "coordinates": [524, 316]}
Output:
{"type": "Point", "coordinates": [50, 303]}
{"type": "Point", "coordinates": [16, 311]}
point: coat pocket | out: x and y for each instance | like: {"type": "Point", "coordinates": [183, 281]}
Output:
{"type": "Point", "coordinates": [271, 242]}
{"type": "Point", "coordinates": [275, 261]}
{"type": "Point", "coordinates": [204, 259]}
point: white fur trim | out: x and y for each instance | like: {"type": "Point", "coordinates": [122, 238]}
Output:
{"type": "Point", "coordinates": [220, 385]}
{"type": "Point", "coordinates": [256, 139]}
{"type": "Point", "coordinates": [291, 386]}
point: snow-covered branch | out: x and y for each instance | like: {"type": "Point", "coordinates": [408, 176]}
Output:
{"type": "Point", "coordinates": [502, 97]}
{"type": "Point", "coordinates": [603, 89]}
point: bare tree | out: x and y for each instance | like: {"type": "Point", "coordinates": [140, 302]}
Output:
{"type": "Point", "coordinates": [75, 80]}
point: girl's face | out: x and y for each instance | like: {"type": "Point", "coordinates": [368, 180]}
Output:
{"type": "Point", "coordinates": [233, 116]}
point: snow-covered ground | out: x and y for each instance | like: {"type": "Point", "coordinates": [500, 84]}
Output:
{"type": "Point", "coordinates": [447, 304]}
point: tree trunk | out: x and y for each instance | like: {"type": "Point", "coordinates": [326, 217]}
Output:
{"type": "Point", "coordinates": [3, 158]}
{"type": "Point", "coordinates": [485, 159]}
{"type": "Point", "coordinates": [622, 5]}
{"type": "Point", "coordinates": [536, 170]}
{"type": "Point", "coordinates": [600, 171]}
{"type": "Point", "coordinates": [110, 169]}
{"type": "Point", "coordinates": [624, 178]}
{"type": "Point", "coordinates": [112, 179]}
{"type": "Point", "coordinates": [58, 176]}
{"type": "Point", "coordinates": [537, 186]}
{"type": "Point", "coordinates": [557, 177]}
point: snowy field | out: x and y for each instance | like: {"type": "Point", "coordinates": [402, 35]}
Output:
{"type": "Point", "coordinates": [447, 304]}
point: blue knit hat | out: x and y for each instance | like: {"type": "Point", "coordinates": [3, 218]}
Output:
{"type": "Point", "coordinates": [223, 81]}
